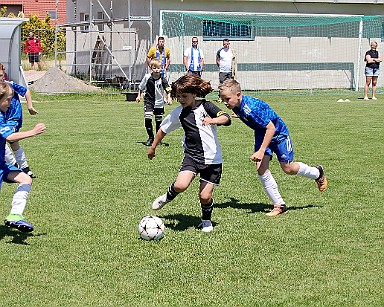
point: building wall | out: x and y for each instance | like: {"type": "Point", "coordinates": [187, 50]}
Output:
{"type": "Point", "coordinates": [39, 7]}
{"type": "Point", "coordinates": [131, 48]}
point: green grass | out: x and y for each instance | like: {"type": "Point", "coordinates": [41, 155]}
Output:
{"type": "Point", "coordinates": [95, 183]}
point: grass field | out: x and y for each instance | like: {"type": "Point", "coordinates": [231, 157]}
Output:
{"type": "Point", "coordinates": [95, 183]}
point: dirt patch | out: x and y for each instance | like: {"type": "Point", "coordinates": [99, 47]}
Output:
{"type": "Point", "coordinates": [56, 81]}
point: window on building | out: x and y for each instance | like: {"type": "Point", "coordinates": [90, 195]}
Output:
{"type": "Point", "coordinates": [84, 17]}
{"type": "Point", "coordinates": [100, 17]}
{"type": "Point", "coordinates": [215, 30]}
{"type": "Point", "coordinates": [52, 14]}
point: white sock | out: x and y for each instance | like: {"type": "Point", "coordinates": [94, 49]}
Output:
{"type": "Point", "coordinates": [308, 171]}
{"type": "Point", "coordinates": [20, 158]}
{"type": "Point", "coordinates": [270, 186]}
{"type": "Point", "coordinates": [20, 197]}
{"type": "Point", "coordinates": [9, 157]}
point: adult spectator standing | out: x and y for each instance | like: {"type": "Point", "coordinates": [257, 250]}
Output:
{"type": "Point", "coordinates": [194, 58]}
{"type": "Point", "coordinates": [372, 70]}
{"type": "Point", "coordinates": [161, 52]}
{"type": "Point", "coordinates": [33, 49]}
{"type": "Point", "coordinates": [226, 61]}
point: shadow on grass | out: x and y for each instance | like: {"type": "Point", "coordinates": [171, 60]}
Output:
{"type": "Point", "coordinates": [162, 144]}
{"type": "Point", "coordinates": [255, 207]}
{"type": "Point", "coordinates": [18, 237]}
{"type": "Point", "coordinates": [181, 222]}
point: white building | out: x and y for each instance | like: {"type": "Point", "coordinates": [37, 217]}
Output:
{"type": "Point", "coordinates": [106, 39]}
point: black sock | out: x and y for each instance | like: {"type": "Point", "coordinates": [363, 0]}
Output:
{"type": "Point", "coordinates": [158, 120]}
{"type": "Point", "coordinates": [206, 210]}
{"type": "Point", "coordinates": [171, 194]}
{"type": "Point", "coordinates": [148, 126]}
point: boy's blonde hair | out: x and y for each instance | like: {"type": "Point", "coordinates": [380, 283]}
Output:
{"type": "Point", "coordinates": [5, 90]}
{"type": "Point", "coordinates": [230, 84]}
{"type": "Point", "coordinates": [155, 63]}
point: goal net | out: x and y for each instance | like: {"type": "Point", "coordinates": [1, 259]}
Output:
{"type": "Point", "coordinates": [277, 51]}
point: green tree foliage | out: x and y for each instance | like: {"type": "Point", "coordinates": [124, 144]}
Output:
{"type": "Point", "coordinates": [45, 31]}
{"type": "Point", "coordinates": [3, 11]}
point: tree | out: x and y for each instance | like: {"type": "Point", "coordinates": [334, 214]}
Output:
{"type": "Point", "coordinates": [45, 31]}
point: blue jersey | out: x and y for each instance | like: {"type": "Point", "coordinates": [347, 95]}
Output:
{"type": "Point", "coordinates": [5, 130]}
{"type": "Point", "coordinates": [257, 114]}
{"type": "Point", "coordinates": [14, 114]}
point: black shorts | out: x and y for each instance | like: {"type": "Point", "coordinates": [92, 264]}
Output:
{"type": "Point", "coordinates": [208, 172]}
{"type": "Point", "coordinates": [224, 76]}
{"type": "Point", "coordinates": [34, 58]}
{"type": "Point", "coordinates": [148, 107]}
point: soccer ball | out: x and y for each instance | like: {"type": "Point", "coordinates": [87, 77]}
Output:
{"type": "Point", "coordinates": [151, 228]}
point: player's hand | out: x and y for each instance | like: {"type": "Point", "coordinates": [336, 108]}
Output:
{"type": "Point", "coordinates": [256, 157]}
{"type": "Point", "coordinates": [33, 111]}
{"type": "Point", "coordinates": [138, 99]}
{"type": "Point", "coordinates": [151, 153]}
{"type": "Point", "coordinates": [39, 128]}
{"type": "Point", "coordinates": [207, 121]}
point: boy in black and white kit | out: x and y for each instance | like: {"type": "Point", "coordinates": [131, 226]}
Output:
{"type": "Point", "coordinates": [202, 151]}
{"type": "Point", "coordinates": [154, 85]}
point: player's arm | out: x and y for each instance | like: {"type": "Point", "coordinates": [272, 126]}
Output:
{"type": "Point", "coordinates": [17, 136]}
{"type": "Point", "coordinates": [216, 115]}
{"type": "Point", "coordinates": [379, 58]}
{"type": "Point", "coordinates": [150, 55]}
{"type": "Point", "coordinates": [221, 119]}
{"type": "Point", "coordinates": [138, 98]}
{"type": "Point", "coordinates": [142, 87]}
{"type": "Point", "coordinates": [28, 98]}
{"type": "Point", "coordinates": [158, 137]}
{"type": "Point", "coordinates": [167, 90]}
{"type": "Point", "coordinates": [169, 98]}
{"type": "Point", "coordinates": [269, 133]}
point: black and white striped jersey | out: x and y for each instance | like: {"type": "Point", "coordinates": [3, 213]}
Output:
{"type": "Point", "coordinates": [200, 142]}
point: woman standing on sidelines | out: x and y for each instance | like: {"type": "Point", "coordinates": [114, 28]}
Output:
{"type": "Point", "coordinates": [372, 70]}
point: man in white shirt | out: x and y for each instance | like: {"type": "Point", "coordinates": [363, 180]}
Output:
{"type": "Point", "coordinates": [224, 60]}
{"type": "Point", "coordinates": [194, 58]}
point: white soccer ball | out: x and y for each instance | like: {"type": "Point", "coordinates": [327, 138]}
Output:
{"type": "Point", "coordinates": [151, 228]}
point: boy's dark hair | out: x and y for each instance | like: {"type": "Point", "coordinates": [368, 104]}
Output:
{"type": "Point", "coordinates": [192, 84]}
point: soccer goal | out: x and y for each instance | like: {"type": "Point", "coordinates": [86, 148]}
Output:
{"type": "Point", "coordinates": [278, 51]}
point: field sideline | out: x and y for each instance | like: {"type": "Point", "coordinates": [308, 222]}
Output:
{"type": "Point", "coordinates": [95, 183]}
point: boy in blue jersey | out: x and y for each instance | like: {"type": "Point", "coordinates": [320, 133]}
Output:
{"type": "Point", "coordinates": [16, 119]}
{"type": "Point", "coordinates": [153, 85]}
{"type": "Point", "coordinates": [8, 172]}
{"type": "Point", "coordinates": [271, 135]}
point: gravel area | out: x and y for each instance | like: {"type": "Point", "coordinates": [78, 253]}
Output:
{"type": "Point", "coordinates": [56, 81]}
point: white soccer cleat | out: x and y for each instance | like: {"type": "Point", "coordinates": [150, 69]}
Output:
{"type": "Point", "coordinates": [205, 226]}
{"type": "Point", "coordinates": [160, 202]}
